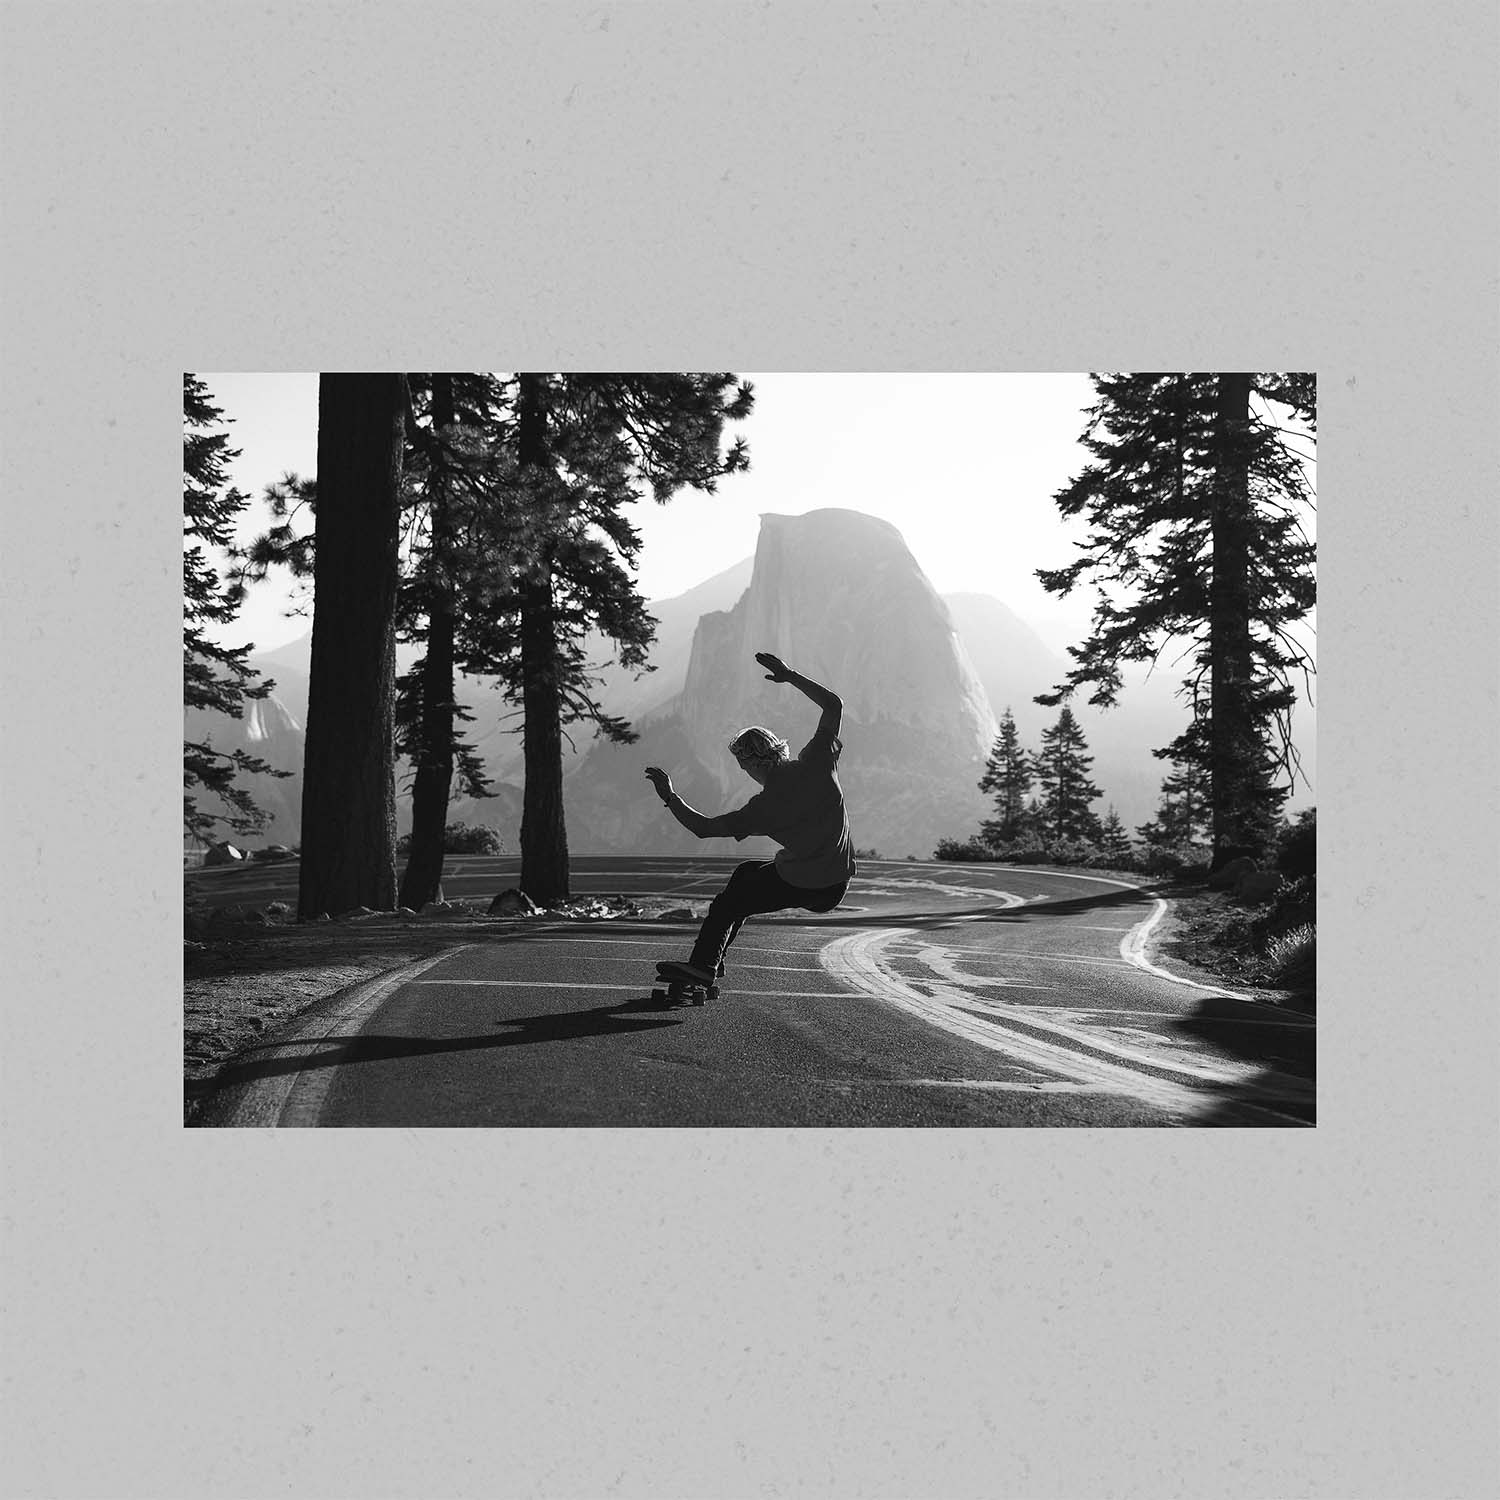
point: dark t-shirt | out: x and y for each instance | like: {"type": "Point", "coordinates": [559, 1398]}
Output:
{"type": "Point", "coordinates": [801, 807]}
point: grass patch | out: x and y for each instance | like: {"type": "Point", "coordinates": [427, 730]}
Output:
{"type": "Point", "coordinates": [1265, 947]}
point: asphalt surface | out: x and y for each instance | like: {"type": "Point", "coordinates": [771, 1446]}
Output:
{"type": "Point", "coordinates": [936, 995]}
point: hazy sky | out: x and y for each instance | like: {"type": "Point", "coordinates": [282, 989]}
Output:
{"type": "Point", "coordinates": [964, 465]}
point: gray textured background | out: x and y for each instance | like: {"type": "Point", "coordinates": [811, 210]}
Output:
{"type": "Point", "coordinates": [883, 186]}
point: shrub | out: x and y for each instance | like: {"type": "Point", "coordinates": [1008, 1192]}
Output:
{"type": "Point", "coordinates": [1296, 852]}
{"type": "Point", "coordinates": [971, 852]}
{"type": "Point", "coordinates": [460, 838]}
{"type": "Point", "coordinates": [1296, 903]}
{"type": "Point", "coordinates": [1292, 958]}
{"type": "Point", "coordinates": [1185, 861]}
{"type": "Point", "coordinates": [1030, 849]}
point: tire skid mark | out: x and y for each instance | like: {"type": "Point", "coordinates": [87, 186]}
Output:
{"type": "Point", "coordinates": [1060, 1049]}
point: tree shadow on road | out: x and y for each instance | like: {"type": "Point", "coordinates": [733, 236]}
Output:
{"type": "Point", "coordinates": [855, 917]}
{"type": "Point", "coordinates": [1286, 1053]}
{"type": "Point", "coordinates": [621, 1019]}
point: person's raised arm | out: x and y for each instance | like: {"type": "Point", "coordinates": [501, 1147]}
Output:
{"type": "Point", "coordinates": [829, 702]}
{"type": "Point", "coordinates": [699, 824]}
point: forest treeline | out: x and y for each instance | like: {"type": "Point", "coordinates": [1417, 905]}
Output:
{"type": "Point", "coordinates": [483, 518]}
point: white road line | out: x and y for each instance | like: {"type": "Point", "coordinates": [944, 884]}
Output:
{"type": "Point", "coordinates": [1002, 1085]}
{"type": "Point", "coordinates": [296, 1099]}
{"type": "Point", "coordinates": [1009, 953]}
{"type": "Point", "coordinates": [856, 961]}
{"type": "Point", "coordinates": [1169, 1015]}
{"type": "Point", "coordinates": [564, 984]}
{"type": "Point", "coordinates": [622, 942]}
{"type": "Point", "coordinates": [1133, 951]}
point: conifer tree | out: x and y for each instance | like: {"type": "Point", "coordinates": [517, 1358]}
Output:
{"type": "Point", "coordinates": [583, 445]}
{"type": "Point", "coordinates": [216, 678]}
{"type": "Point", "coordinates": [348, 786]}
{"type": "Point", "coordinates": [1194, 501]}
{"type": "Point", "coordinates": [519, 545]}
{"type": "Point", "coordinates": [450, 457]}
{"type": "Point", "coordinates": [1062, 773]}
{"type": "Point", "coordinates": [1008, 776]}
{"type": "Point", "coordinates": [1113, 838]}
{"type": "Point", "coordinates": [1182, 815]}
{"type": "Point", "coordinates": [1034, 820]}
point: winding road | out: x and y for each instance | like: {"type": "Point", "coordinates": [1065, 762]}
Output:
{"type": "Point", "coordinates": [936, 995]}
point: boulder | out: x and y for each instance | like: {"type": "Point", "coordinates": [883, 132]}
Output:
{"type": "Point", "coordinates": [438, 909]}
{"type": "Point", "coordinates": [513, 903]}
{"type": "Point", "coordinates": [677, 914]}
{"type": "Point", "coordinates": [1255, 886]}
{"type": "Point", "coordinates": [223, 918]}
{"type": "Point", "coordinates": [223, 854]}
{"type": "Point", "coordinates": [1227, 877]}
{"type": "Point", "coordinates": [273, 852]}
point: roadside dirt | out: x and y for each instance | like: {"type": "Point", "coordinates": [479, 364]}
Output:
{"type": "Point", "coordinates": [1189, 942]}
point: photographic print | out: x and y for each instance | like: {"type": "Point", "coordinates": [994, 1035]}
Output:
{"type": "Point", "coordinates": [720, 749]}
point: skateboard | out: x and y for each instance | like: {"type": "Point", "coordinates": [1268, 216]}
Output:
{"type": "Point", "coordinates": [681, 985]}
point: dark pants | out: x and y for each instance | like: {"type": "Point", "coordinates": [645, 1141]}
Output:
{"type": "Point", "coordinates": [754, 887]}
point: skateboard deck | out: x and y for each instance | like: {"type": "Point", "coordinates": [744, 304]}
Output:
{"type": "Point", "coordinates": [681, 985]}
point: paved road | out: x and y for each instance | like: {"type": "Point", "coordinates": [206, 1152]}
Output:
{"type": "Point", "coordinates": [938, 994]}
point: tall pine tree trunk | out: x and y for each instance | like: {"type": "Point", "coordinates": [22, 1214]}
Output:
{"type": "Point", "coordinates": [348, 787]}
{"type": "Point", "coordinates": [1233, 742]}
{"type": "Point", "coordinates": [433, 776]}
{"type": "Point", "coordinates": [544, 837]}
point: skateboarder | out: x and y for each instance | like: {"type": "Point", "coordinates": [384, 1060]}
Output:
{"type": "Point", "coordinates": [800, 806]}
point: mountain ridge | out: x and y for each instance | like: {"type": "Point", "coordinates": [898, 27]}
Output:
{"type": "Point", "coordinates": [997, 660]}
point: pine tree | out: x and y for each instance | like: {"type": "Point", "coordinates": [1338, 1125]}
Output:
{"type": "Point", "coordinates": [1182, 815]}
{"type": "Point", "coordinates": [1034, 820]}
{"type": "Point", "coordinates": [1194, 504]}
{"type": "Point", "coordinates": [428, 716]}
{"type": "Point", "coordinates": [1062, 773]}
{"type": "Point", "coordinates": [1008, 776]}
{"type": "Point", "coordinates": [1113, 838]}
{"type": "Point", "coordinates": [518, 539]}
{"type": "Point", "coordinates": [348, 788]}
{"type": "Point", "coordinates": [583, 444]}
{"type": "Point", "coordinates": [216, 678]}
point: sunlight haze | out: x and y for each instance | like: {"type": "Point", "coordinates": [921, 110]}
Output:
{"type": "Point", "coordinates": [963, 465]}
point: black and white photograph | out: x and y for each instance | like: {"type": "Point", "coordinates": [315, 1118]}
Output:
{"type": "Point", "coordinates": [707, 749]}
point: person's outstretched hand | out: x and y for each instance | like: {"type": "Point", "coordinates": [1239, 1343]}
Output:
{"type": "Point", "coordinates": [660, 780]}
{"type": "Point", "coordinates": [776, 669]}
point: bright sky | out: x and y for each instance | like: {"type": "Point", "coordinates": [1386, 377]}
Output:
{"type": "Point", "coordinates": [964, 465]}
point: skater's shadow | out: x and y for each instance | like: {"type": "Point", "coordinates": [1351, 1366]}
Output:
{"type": "Point", "coordinates": [623, 1018]}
